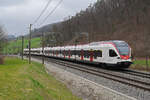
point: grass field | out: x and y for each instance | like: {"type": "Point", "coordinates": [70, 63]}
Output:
{"type": "Point", "coordinates": [16, 45]}
{"type": "Point", "coordinates": [141, 65]}
{"type": "Point", "coordinates": [21, 81]}
{"type": "Point", "coordinates": [141, 62]}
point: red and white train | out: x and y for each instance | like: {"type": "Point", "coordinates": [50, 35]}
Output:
{"type": "Point", "coordinates": [107, 53]}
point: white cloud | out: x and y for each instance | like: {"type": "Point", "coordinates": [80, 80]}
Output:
{"type": "Point", "coordinates": [17, 15]}
{"type": "Point", "coordinates": [5, 3]}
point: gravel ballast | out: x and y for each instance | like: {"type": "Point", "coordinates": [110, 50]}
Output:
{"type": "Point", "coordinates": [81, 86]}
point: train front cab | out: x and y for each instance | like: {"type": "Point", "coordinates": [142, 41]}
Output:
{"type": "Point", "coordinates": [119, 55]}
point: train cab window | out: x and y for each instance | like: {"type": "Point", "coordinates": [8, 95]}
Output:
{"type": "Point", "coordinates": [112, 53]}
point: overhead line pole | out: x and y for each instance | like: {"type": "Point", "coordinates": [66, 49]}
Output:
{"type": "Point", "coordinates": [43, 48]}
{"type": "Point", "coordinates": [22, 46]}
{"type": "Point", "coordinates": [30, 44]}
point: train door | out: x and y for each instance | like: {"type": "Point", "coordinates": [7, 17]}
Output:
{"type": "Point", "coordinates": [48, 52]}
{"type": "Point", "coordinates": [69, 54]}
{"type": "Point", "coordinates": [61, 53]}
{"type": "Point", "coordinates": [82, 54]}
{"type": "Point", "coordinates": [53, 52]}
{"type": "Point", "coordinates": [91, 55]}
{"type": "Point", "coordinates": [64, 54]}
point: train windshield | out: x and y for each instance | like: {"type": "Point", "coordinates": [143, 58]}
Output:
{"type": "Point", "coordinates": [123, 48]}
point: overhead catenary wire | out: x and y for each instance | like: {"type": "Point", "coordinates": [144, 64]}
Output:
{"type": "Point", "coordinates": [51, 12]}
{"type": "Point", "coordinates": [42, 12]}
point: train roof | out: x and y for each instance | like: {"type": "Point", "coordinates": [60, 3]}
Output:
{"type": "Point", "coordinates": [105, 42]}
{"type": "Point", "coordinates": [85, 46]}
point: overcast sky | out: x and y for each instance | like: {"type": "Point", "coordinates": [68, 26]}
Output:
{"type": "Point", "coordinates": [16, 15]}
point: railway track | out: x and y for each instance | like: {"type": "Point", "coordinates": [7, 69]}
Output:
{"type": "Point", "coordinates": [136, 73]}
{"type": "Point", "coordinates": [108, 74]}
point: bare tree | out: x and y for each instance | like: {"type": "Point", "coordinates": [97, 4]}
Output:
{"type": "Point", "coordinates": [2, 38]}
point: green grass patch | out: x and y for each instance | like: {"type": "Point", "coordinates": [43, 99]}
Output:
{"type": "Point", "coordinates": [141, 62]}
{"type": "Point", "coordinates": [15, 46]}
{"type": "Point", "coordinates": [21, 81]}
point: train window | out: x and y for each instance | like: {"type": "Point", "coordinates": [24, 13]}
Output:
{"type": "Point", "coordinates": [95, 54]}
{"type": "Point", "coordinates": [88, 54]}
{"type": "Point", "coordinates": [82, 52]}
{"type": "Point", "coordinates": [99, 53]}
{"type": "Point", "coordinates": [76, 52]}
{"type": "Point", "coordinates": [85, 54]}
{"type": "Point", "coordinates": [64, 52]}
{"type": "Point", "coordinates": [67, 53]}
{"type": "Point", "coordinates": [51, 52]}
{"type": "Point", "coordinates": [112, 53]}
{"type": "Point", "coordinates": [79, 53]}
{"type": "Point", "coordinates": [57, 52]}
{"type": "Point", "coordinates": [72, 53]}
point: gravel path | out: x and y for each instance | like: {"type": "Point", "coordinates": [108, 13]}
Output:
{"type": "Point", "coordinates": [80, 83]}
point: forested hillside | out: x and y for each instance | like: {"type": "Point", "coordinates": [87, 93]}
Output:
{"type": "Point", "coordinates": [127, 20]}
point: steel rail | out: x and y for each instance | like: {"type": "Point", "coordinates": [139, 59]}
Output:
{"type": "Point", "coordinates": [124, 80]}
{"type": "Point", "coordinates": [107, 75]}
{"type": "Point", "coordinates": [136, 73]}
